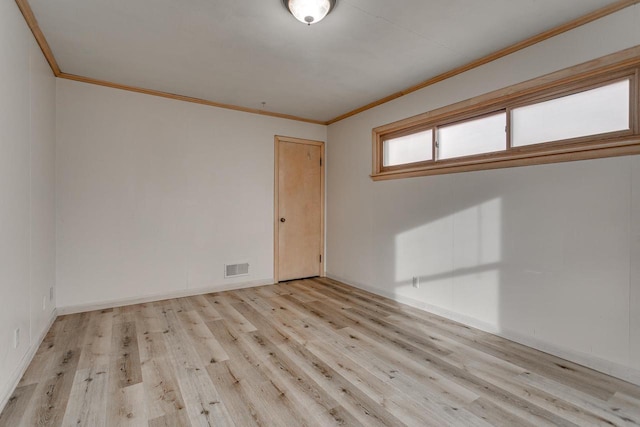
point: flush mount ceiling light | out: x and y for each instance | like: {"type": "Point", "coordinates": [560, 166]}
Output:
{"type": "Point", "coordinates": [309, 11]}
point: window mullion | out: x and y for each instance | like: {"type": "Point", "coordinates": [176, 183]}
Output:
{"type": "Point", "coordinates": [435, 143]}
{"type": "Point", "coordinates": [507, 128]}
{"type": "Point", "coordinates": [634, 100]}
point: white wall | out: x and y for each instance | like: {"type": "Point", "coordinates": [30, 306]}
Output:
{"type": "Point", "coordinates": [154, 195]}
{"type": "Point", "coordinates": [548, 255]}
{"type": "Point", "coordinates": [27, 174]}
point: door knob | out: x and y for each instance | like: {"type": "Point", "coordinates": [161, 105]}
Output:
{"type": "Point", "coordinates": [282, 220]}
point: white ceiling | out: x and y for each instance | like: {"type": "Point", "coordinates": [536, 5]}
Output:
{"type": "Point", "coordinates": [252, 51]}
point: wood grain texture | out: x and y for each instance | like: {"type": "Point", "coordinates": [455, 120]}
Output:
{"type": "Point", "coordinates": [299, 196]}
{"type": "Point", "coordinates": [299, 204]}
{"type": "Point", "coordinates": [312, 352]}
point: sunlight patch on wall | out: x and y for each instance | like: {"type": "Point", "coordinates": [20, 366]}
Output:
{"type": "Point", "coordinates": [477, 237]}
{"type": "Point", "coordinates": [424, 250]}
{"type": "Point", "coordinates": [456, 260]}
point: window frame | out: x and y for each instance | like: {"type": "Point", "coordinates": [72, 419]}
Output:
{"type": "Point", "coordinates": [613, 68]}
{"type": "Point", "coordinates": [405, 132]}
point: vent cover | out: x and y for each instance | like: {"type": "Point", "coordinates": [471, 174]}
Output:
{"type": "Point", "coordinates": [235, 270]}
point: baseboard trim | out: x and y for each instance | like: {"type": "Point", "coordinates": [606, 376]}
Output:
{"type": "Point", "coordinates": [81, 308]}
{"type": "Point", "coordinates": [25, 362]}
{"type": "Point", "coordinates": [614, 369]}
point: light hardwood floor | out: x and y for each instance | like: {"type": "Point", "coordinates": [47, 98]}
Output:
{"type": "Point", "coordinates": [304, 353]}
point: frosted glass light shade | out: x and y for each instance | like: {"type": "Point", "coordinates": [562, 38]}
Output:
{"type": "Point", "coordinates": [309, 11]}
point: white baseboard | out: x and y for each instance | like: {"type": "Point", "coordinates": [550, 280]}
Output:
{"type": "Point", "coordinates": [14, 379]}
{"type": "Point", "coordinates": [608, 367]}
{"type": "Point", "coordinates": [81, 308]}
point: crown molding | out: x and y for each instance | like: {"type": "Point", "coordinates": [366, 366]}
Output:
{"type": "Point", "coordinates": [186, 98]}
{"type": "Point", "coordinates": [585, 19]}
{"type": "Point", "coordinates": [29, 17]}
{"type": "Point", "coordinates": [25, 8]}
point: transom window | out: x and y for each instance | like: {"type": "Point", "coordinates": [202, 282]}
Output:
{"type": "Point", "coordinates": [540, 121]}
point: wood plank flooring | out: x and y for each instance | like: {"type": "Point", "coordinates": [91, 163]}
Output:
{"type": "Point", "coordinates": [305, 353]}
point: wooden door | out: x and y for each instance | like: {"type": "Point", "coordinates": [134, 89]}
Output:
{"type": "Point", "coordinates": [299, 208]}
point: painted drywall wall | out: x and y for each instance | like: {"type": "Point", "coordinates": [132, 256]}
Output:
{"type": "Point", "coordinates": [634, 279]}
{"type": "Point", "coordinates": [547, 255]}
{"type": "Point", "coordinates": [27, 207]}
{"type": "Point", "coordinates": [156, 195]}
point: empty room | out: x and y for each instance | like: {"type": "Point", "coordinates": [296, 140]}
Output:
{"type": "Point", "coordinates": [319, 213]}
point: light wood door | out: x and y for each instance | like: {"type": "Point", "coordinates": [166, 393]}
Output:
{"type": "Point", "coordinates": [299, 208]}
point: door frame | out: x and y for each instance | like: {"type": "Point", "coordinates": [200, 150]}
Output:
{"type": "Point", "coordinates": [276, 208]}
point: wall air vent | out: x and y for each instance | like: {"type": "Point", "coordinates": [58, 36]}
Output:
{"type": "Point", "coordinates": [235, 270]}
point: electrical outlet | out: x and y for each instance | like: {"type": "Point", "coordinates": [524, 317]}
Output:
{"type": "Point", "coordinates": [415, 282]}
{"type": "Point", "coordinates": [44, 302]}
{"type": "Point", "coordinates": [16, 338]}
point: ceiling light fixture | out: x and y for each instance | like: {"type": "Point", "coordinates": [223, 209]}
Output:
{"type": "Point", "coordinates": [309, 11]}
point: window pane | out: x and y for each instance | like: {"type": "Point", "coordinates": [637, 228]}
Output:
{"type": "Point", "coordinates": [484, 135]}
{"type": "Point", "coordinates": [596, 111]}
{"type": "Point", "coordinates": [408, 149]}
